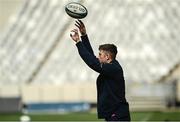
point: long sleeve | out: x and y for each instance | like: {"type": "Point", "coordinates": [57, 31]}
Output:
{"type": "Point", "coordinates": [88, 57]}
{"type": "Point", "coordinates": [85, 41]}
{"type": "Point", "coordinates": [91, 60]}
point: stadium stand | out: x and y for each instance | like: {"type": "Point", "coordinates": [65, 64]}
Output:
{"type": "Point", "coordinates": [27, 42]}
{"type": "Point", "coordinates": [146, 34]}
{"type": "Point", "coordinates": [142, 43]}
{"type": "Point", "coordinates": [36, 48]}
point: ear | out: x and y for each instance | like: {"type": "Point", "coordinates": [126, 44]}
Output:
{"type": "Point", "coordinates": [107, 56]}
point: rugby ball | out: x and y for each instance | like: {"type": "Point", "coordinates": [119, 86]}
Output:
{"type": "Point", "coordinates": [76, 10]}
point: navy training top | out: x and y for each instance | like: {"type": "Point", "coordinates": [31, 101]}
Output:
{"type": "Point", "coordinates": [110, 82]}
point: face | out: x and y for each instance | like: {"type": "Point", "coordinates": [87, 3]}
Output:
{"type": "Point", "coordinates": [103, 56]}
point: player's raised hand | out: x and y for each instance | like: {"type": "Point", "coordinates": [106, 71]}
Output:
{"type": "Point", "coordinates": [74, 35]}
{"type": "Point", "coordinates": [81, 27]}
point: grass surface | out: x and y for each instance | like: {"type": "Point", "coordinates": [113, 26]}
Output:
{"type": "Point", "coordinates": [135, 116]}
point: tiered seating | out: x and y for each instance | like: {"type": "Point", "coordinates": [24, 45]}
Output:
{"type": "Point", "coordinates": [146, 33]}
{"type": "Point", "coordinates": [31, 35]}
{"type": "Point", "coordinates": [37, 47]}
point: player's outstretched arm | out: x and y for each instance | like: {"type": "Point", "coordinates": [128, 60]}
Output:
{"type": "Point", "coordinates": [84, 36]}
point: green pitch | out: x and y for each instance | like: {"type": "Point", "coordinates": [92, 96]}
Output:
{"type": "Point", "coordinates": [135, 116]}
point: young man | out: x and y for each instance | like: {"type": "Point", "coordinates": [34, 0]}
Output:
{"type": "Point", "coordinates": [111, 101]}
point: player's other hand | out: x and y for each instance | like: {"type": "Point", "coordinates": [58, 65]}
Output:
{"type": "Point", "coordinates": [75, 35]}
{"type": "Point", "coordinates": [81, 27]}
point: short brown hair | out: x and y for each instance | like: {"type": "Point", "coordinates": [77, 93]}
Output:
{"type": "Point", "coordinates": [109, 48]}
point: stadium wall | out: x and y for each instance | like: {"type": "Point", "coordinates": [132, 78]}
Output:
{"type": "Point", "coordinates": [48, 93]}
{"type": "Point", "coordinates": [140, 96]}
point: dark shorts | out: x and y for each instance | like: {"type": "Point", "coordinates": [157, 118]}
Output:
{"type": "Point", "coordinates": [115, 117]}
{"type": "Point", "coordinates": [120, 114]}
